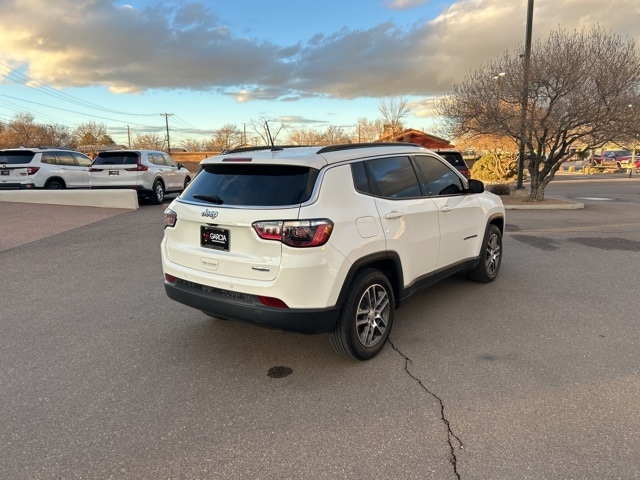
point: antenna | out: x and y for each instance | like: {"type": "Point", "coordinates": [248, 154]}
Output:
{"type": "Point", "coordinates": [266, 124]}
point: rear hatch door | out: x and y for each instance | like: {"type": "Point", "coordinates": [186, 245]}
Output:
{"type": "Point", "coordinates": [223, 241]}
{"type": "Point", "coordinates": [14, 166]}
{"type": "Point", "coordinates": [217, 213]}
{"type": "Point", "coordinates": [115, 169]}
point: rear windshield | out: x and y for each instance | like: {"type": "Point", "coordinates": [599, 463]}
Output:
{"type": "Point", "coordinates": [116, 158]}
{"type": "Point", "coordinates": [16, 157]}
{"type": "Point", "coordinates": [252, 185]}
{"type": "Point", "coordinates": [454, 158]}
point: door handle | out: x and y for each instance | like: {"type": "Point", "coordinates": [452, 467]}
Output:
{"type": "Point", "coordinates": [394, 215]}
{"type": "Point", "coordinates": [446, 209]}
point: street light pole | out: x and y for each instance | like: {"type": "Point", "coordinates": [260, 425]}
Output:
{"type": "Point", "coordinates": [525, 94]}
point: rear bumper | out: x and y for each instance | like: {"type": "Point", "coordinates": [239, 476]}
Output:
{"type": "Point", "coordinates": [17, 185]}
{"type": "Point", "coordinates": [248, 308]}
{"type": "Point", "coordinates": [111, 187]}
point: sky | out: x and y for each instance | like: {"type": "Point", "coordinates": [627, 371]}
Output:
{"type": "Point", "coordinates": [134, 65]}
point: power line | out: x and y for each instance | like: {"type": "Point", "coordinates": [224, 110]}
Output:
{"type": "Point", "coordinates": [67, 110]}
{"type": "Point", "coordinates": [29, 82]}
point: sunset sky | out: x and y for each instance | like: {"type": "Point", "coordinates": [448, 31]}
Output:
{"type": "Point", "coordinates": [309, 63]}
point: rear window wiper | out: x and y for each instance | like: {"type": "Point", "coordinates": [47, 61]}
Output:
{"type": "Point", "coordinates": [209, 198]}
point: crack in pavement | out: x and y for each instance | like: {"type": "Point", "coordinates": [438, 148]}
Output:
{"type": "Point", "coordinates": [451, 437]}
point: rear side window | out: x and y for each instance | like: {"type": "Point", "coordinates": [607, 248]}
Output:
{"type": "Point", "coordinates": [394, 177]}
{"type": "Point", "coordinates": [81, 160]}
{"type": "Point", "coordinates": [252, 185]}
{"type": "Point", "coordinates": [16, 157]}
{"type": "Point", "coordinates": [156, 158]}
{"type": "Point", "coordinates": [49, 158]}
{"type": "Point", "coordinates": [169, 161]}
{"type": "Point", "coordinates": [65, 158]}
{"type": "Point", "coordinates": [116, 158]}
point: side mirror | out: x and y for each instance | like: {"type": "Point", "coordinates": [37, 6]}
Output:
{"type": "Point", "coordinates": [476, 186]}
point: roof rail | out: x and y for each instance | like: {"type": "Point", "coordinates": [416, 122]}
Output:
{"type": "Point", "coordinates": [261, 147]}
{"type": "Point", "coordinates": [352, 146]}
{"type": "Point", "coordinates": [52, 147]}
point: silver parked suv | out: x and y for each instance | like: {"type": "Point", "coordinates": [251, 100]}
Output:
{"type": "Point", "coordinates": [51, 168]}
{"type": "Point", "coordinates": [328, 239]}
{"type": "Point", "coordinates": [151, 173]}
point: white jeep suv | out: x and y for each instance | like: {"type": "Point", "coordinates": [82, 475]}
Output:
{"type": "Point", "coordinates": [330, 239]}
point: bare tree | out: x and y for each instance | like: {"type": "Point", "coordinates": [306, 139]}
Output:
{"type": "Point", "coordinates": [335, 135]}
{"type": "Point", "coordinates": [332, 135]}
{"type": "Point", "coordinates": [225, 138]}
{"type": "Point", "coordinates": [149, 141]}
{"type": "Point", "coordinates": [260, 126]}
{"type": "Point", "coordinates": [393, 110]}
{"type": "Point", "coordinates": [367, 131]}
{"type": "Point", "coordinates": [60, 136]}
{"type": "Point", "coordinates": [91, 134]}
{"type": "Point", "coordinates": [581, 87]}
{"type": "Point", "coordinates": [304, 136]}
{"type": "Point", "coordinates": [21, 131]}
{"type": "Point", "coordinates": [192, 144]}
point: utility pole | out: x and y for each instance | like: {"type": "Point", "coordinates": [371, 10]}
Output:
{"type": "Point", "coordinates": [129, 135]}
{"type": "Point", "coordinates": [525, 95]}
{"type": "Point", "coordinates": [166, 121]}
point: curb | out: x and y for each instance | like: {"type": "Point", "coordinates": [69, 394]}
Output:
{"type": "Point", "coordinates": [113, 198]}
{"type": "Point", "coordinates": [550, 206]}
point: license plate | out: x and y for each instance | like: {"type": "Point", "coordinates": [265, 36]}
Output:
{"type": "Point", "coordinates": [212, 237]}
{"type": "Point", "coordinates": [4, 172]}
{"type": "Point", "coordinates": [114, 172]}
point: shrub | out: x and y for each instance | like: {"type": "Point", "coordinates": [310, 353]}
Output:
{"type": "Point", "coordinates": [492, 168]}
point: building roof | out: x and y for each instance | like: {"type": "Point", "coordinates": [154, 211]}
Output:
{"type": "Point", "coordinates": [411, 135]}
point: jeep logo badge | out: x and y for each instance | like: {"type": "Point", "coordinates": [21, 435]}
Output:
{"type": "Point", "coordinates": [210, 213]}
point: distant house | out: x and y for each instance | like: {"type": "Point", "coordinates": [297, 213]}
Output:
{"type": "Point", "coordinates": [411, 135]}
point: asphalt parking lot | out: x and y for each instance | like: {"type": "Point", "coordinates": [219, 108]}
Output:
{"type": "Point", "coordinates": [535, 376]}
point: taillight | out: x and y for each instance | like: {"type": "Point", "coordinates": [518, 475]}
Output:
{"type": "Point", "coordinates": [138, 168]}
{"type": "Point", "coordinates": [296, 233]}
{"type": "Point", "coordinates": [169, 278]}
{"type": "Point", "coordinates": [32, 170]}
{"type": "Point", "coordinates": [170, 218]}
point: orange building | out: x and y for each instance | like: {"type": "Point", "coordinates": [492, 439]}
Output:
{"type": "Point", "coordinates": [411, 135]}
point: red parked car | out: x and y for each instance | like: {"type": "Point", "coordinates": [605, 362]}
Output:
{"type": "Point", "coordinates": [615, 158]}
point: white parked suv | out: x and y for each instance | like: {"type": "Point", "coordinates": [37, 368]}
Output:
{"type": "Point", "coordinates": [330, 239]}
{"type": "Point", "coordinates": [51, 168]}
{"type": "Point", "coordinates": [151, 173]}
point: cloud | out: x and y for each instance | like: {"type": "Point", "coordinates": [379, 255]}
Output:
{"type": "Point", "coordinates": [402, 4]}
{"type": "Point", "coordinates": [187, 46]}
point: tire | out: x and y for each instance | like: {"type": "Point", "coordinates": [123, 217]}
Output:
{"type": "Point", "coordinates": [54, 185]}
{"type": "Point", "coordinates": [366, 318]}
{"type": "Point", "coordinates": [490, 257]}
{"type": "Point", "coordinates": [157, 196]}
